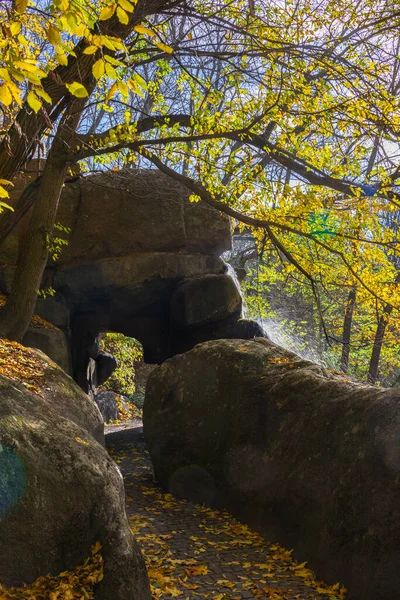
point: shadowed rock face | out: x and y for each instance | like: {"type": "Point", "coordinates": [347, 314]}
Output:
{"type": "Point", "coordinates": [308, 457]}
{"type": "Point", "coordinates": [60, 492]}
{"type": "Point", "coordinates": [141, 260]}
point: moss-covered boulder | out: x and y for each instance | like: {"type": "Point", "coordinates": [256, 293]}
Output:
{"type": "Point", "coordinates": [305, 455]}
{"type": "Point", "coordinates": [60, 493]}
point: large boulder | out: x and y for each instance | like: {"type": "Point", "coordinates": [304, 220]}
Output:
{"type": "Point", "coordinates": [307, 456]}
{"type": "Point", "coordinates": [60, 493]}
{"type": "Point", "coordinates": [133, 238]}
{"type": "Point", "coordinates": [201, 300]}
{"type": "Point", "coordinates": [141, 260]}
{"type": "Point", "coordinates": [107, 403]}
{"type": "Point", "coordinates": [50, 340]}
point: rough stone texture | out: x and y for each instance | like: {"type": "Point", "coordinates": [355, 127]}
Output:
{"type": "Point", "coordinates": [60, 392]}
{"type": "Point", "coordinates": [107, 404]}
{"type": "Point", "coordinates": [203, 300]}
{"type": "Point", "coordinates": [230, 328]}
{"type": "Point", "coordinates": [140, 211]}
{"type": "Point", "coordinates": [141, 260]}
{"type": "Point", "coordinates": [53, 342]}
{"type": "Point", "coordinates": [308, 457]}
{"type": "Point", "coordinates": [60, 492]}
{"type": "Point", "coordinates": [135, 238]}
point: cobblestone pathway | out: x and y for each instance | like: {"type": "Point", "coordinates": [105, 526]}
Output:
{"type": "Point", "coordinates": [193, 552]}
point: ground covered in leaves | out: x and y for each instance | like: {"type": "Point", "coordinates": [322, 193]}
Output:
{"type": "Point", "coordinates": [21, 364]}
{"type": "Point", "coordinates": [69, 585]}
{"type": "Point", "coordinates": [194, 552]}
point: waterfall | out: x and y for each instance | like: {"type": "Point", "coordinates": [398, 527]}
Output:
{"type": "Point", "coordinates": [232, 274]}
{"type": "Point", "coordinates": [278, 334]}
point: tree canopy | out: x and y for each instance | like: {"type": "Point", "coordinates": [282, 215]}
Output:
{"type": "Point", "coordinates": [283, 115]}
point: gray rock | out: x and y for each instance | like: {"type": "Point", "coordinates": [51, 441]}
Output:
{"type": "Point", "coordinates": [54, 311]}
{"type": "Point", "coordinates": [52, 341]}
{"type": "Point", "coordinates": [309, 457]}
{"type": "Point", "coordinates": [107, 404]}
{"type": "Point", "coordinates": [202, 300]}
{"type": "Point", "coordinates": [141, 260]}
{"type": "Point", "coordinates": [60, 492]}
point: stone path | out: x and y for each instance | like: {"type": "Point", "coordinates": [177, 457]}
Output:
{"type": "Point", "coordinates": [193, 552]}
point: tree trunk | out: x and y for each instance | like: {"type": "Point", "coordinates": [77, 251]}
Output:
{"type": "Point", "coordinates": [348, 319]}
{"type": "Point", "coordinates": [16, 315]}
{"type": "Point", "coordinates": [378, 341]}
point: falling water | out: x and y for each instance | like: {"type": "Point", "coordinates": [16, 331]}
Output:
{"type": "Point", "coordinates": [279, 334]}
{"type": "Point", "coordinates": [277, 331]}
{"type": "Point", "coordinates": [232, 274]}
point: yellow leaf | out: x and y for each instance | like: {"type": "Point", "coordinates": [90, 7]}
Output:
{"type": "Point", "coordinates": [53, 35]}
{"type": "Point", "coordinates": [107, 12]}
{"type": "Point", "coordinates": [126, 5]}
{"type": "Point", "coordinates": [20, 6]}
{"type": "Point", "coordinates": [4, 74]}
{"type": "Point", "coordinates": [110, 71]}
{"type": "Point", "coordinates": [114, 61]}
{"type": "Point", "coordinates": [5, 95]}
{"type": "Point", "coordinates": [40, 92]}
{"type": "Point", "coordinates": [61, 59]}
{"type": "Point", "coordinates": [122, 16]}
{"type": "Point", "coordinates": [16, 92]}
{"type": "Point", "coordinates": [34, 102]}
{"type": "Point", "coordinates": [96, 548]}
{"type": "Point", "coordinates": [98, 69]}
{"type": "Point", "coordinates": [6, 182]}
{"type": "Point", "coordinates": [22, 40]}
{"type": "Point", "coordinates": [90, 50]}
{"type": "Point", "coordinates": [226, 583]}
{"type": "Point", "coordinates": [77, 89]}
{"type": "Point", "coordinates": [144, 30]}
{"type": "Point", "coordinates": [3, 193]}
{"type": "Point", "coordinates": [112, 91]}
{"type": "Point", "coordinates": [140, 81]}
{"type": "Point", "coordinates": [164, 47]}
{"type": "Point", "coordinates": [62, 4]}
{"type": "Point", "coordinates": [123, 88]}
{"type": "Point", "coordinates": [135, 88]}
{"type": "Point", "coordinates": [25, 66]}
{"type": "Point", "coordinates": [6, 206]}
{"type": "Point", "coordinates": [78, 439]}
{"type": "Point", "coordinates": [82, 30]}
{"type": "Point", "coordinates": [15, 28]}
